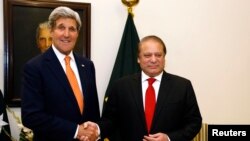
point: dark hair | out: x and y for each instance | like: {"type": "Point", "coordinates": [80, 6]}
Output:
{"type": "Point", "coordinates": [155, 38]}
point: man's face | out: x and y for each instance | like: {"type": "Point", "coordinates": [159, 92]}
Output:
{"type": "Point", "coordinates": [151, 58]}
{"type": "Point", "coordinates": [44, 39]}
{"type": "Point", "coordinates": [65, 34]}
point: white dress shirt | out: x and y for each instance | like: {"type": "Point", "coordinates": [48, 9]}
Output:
{"type": "Point", "coordinates": [61, 57]}
{"type": "Point", "coordinates": [156, 85]}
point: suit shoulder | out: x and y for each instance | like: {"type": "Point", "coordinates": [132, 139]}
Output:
{"type": "Point", "coordinates": [35, 60]}
{"type": "Point", "coordinates": [130, 77]}
{"type": "Point", "coordinates": [83, 59]}
{"type": "Point", "coordinates": [176, 77]}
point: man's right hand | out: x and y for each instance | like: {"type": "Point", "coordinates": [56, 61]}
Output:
{"type": "Point", "coordinates": [88, 131]}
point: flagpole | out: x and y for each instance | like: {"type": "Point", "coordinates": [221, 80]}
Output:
{"type": "Point", "coordinates": [126, 59]}
{"type": "Point", "coordinates": [130, 4]}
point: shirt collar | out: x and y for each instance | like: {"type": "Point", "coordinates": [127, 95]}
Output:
{"type": "Point", "coordinates": [145, 77]}
{"type": "Point", "coordinates": [61, 56]}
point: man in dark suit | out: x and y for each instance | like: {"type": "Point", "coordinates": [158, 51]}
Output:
{"type": "Point", "coordinates": [176, 116]}
{"type": "Point", "coordinates": [49, 106]}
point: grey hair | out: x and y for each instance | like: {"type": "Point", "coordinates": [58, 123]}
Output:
{"type": "Point", "coordinates": [42, 25]}
{"type": "Point", "coordinates": [64, 12]}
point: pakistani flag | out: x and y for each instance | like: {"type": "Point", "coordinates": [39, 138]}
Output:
{"type": "Point", "coordinates": [126, 60]}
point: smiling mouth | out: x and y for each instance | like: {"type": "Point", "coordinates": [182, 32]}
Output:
{"type": "Point", "coordinates": [65, 41]}
{"type": "Point", "coordinates": [153, 67]}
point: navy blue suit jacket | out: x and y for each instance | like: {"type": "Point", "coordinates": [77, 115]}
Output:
{"type": "Point", "coordinates": [177, 113]}
{"type": "Point", "coordinates": [49, 107]}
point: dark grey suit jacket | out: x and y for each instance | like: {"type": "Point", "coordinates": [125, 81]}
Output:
{"type": "Point", "coordinates": [177, 113]}
{"type": "Point", "coordinates": [49, 107]}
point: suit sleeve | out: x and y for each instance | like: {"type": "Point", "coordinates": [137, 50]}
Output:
{"type": "Point", "coordinates": [33, 108]}
{"type": "Point", "coordinates": [192, 119]}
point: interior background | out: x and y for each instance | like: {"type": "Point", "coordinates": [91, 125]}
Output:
{"type": "Point", "coordinates": [208, 42]}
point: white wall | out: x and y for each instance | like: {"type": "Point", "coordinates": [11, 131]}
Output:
{"type": "Point", "coordinates": [208, 42]}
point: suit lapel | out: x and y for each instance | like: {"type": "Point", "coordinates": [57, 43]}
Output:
{"type": "Point", "coordinates": [137, 94]}
{"type": "Point", "coordinates": [162, 95]}
{"type": "Point", "coordinates": [82, 73]}
{"type": "Point", "coordinates": [56, 69]}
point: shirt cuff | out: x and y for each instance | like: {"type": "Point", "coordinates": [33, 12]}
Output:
{"type": "Point", "coordinates": [99, 133]}
{"type": "Point", "coordinates": [75, 136]}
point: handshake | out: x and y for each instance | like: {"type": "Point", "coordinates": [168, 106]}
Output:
{"type": "Point", "coordinates": [88, 131]}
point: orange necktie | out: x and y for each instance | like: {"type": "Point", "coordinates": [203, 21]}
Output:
{"type": "Point", "coordinates": [150, 103]}
{"type": "Point", "coordinates": [74, 84]}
